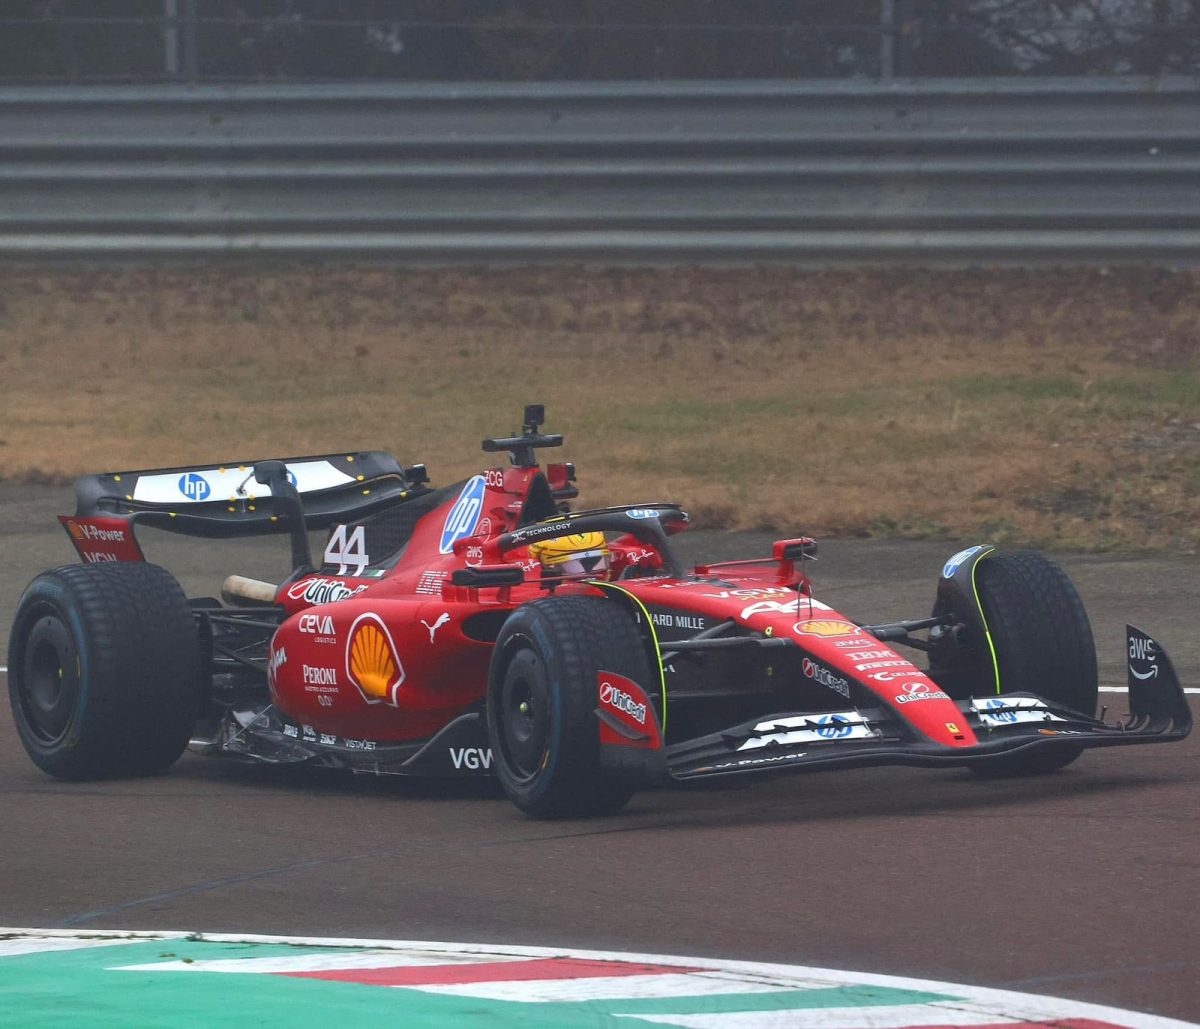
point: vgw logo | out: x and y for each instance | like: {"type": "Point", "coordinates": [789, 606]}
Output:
{"type": "Point", "coordinates": [475, 758]}
{"type": "Point", "coordinates": [194, 486]}
{"type": "Point", "coordinates": [464, 515]}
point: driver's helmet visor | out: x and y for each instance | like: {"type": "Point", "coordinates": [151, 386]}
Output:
{"type": "Point", "coordinates": [584, 553]}
{"type": "Point", "coordinates": [591, 562]}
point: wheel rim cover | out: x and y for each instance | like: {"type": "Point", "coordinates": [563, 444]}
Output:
{"type": "Point", "coordinates": [50, 683]}
{"type": "Point", "coordinates": [524, 732]}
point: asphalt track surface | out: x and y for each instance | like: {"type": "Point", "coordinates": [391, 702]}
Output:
{"type": "Point", "coordinates": [1082, 884]}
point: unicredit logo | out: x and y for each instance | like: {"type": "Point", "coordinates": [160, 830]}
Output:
{"type": "Point", "coordinates": [921, 691]}
{"type": "Point", "coordinates": [622, 701]}
{"type": "Point", "coordinates": [322, 591]}
{"type": "Point", "coordinates": [823, 675]}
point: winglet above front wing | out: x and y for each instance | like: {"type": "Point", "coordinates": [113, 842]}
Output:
{"type": "Point", "coordinates": [1156, 699]}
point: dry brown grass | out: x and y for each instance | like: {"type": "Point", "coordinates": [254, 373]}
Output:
{"type": "Point", "coordinates": [1051, 407]}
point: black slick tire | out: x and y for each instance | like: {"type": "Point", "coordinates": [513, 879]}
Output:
{"type": "Point", "coordinates": [1043, 644]}
{"type": "Point", "coordinates": [541, 705]}
{"type": "Point", "coordinates": [104, 670]}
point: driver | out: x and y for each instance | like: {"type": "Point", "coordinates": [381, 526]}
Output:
{"type": "Point", "coordinates": [584, 553]}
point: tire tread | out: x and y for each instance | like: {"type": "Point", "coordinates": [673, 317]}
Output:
{"type": "Point", "coordinates": [585, 635]}
{"type": "Point", "coordinates": [142, 665]}
{"type": "Point", "coordinates": [1044, 645]}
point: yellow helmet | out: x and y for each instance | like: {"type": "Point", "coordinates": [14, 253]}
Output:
{"type": "Point", "coordinates": [581, 554]}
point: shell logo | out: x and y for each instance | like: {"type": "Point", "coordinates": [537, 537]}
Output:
{"type": "Point", "coordinates": [76, 531]}
{"type": "Point", "coordinates": [372, 662]}
{"type": "Point", "coordinates": [825, 627]}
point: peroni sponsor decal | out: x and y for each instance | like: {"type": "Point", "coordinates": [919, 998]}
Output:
{"type": "Point", "coordinates": [319, 676]}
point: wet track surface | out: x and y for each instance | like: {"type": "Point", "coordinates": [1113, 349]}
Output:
{"type": "Point", "coordinates": [1082, 884]}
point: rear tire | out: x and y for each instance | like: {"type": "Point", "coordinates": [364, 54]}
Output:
{"type": "Point", "coordinates": [104, 670]}
{"type": "Point", "coordinates": [541, 705]}
{"type": "Point", "coordinates": [1043, 643]}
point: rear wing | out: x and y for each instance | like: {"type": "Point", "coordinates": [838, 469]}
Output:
{"type": "Point", "coordinates": [223, 501]}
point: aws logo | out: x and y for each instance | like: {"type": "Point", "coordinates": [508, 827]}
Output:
{"type": "Point", "coordinates": [372, 662]}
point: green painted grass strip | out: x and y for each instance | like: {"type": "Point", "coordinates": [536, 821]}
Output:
{"type": "Point", "coordinates": [83, 987]}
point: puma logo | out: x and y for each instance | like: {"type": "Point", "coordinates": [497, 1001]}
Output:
{"type": "Point", "coordinates": [443, 618]}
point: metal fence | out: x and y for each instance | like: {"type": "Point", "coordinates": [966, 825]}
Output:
{"type": "Point", "coordinates": [960, 171]}
{"type": "Point", "coordinates": [210, 41]}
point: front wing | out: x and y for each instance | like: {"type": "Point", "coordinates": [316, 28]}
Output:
{"type": "Point", "coordinates": [1004, 724]}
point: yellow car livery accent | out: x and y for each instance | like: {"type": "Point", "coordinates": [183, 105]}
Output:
{"type": "Point", "coordinates": [987, 633]}
{"type": "Point", "coordinates": [561, 549]}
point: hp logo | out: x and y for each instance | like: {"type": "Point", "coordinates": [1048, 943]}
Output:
{"type": "Point", "coordinates": [832, 727]}
{"type": "Point", "coordinates": [194, 486]}
{"type": "Point", "coordinates": [998, 711]}
{"type": "Point", "coordinates": [464, 515]}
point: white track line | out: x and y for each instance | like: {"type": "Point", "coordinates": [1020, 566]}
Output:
{"type": "Point", "coordinates": [1125, 689]}
{"type": "Point", "coordinates": [43, 943]}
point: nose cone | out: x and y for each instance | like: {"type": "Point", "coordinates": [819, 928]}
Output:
{"type": "Point", "coordinates": [929, 710]}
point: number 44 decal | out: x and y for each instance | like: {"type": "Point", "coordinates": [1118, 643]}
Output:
{"type": "Point", "coordinates": [347, 550]}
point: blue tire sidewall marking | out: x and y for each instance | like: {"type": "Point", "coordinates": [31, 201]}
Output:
{"type": "Point", "coordinates": [958, 560]}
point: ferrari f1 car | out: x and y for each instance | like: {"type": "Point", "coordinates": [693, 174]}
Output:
{"type": "Point", "coordinates": [486, 628]}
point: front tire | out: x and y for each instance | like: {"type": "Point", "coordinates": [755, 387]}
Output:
{"type": "Point", "coordinates": [104, 670]}
{"type": "Point", "coordinates": [541, 705]}
{"type": "Point", "coordinates": [1043, 645]}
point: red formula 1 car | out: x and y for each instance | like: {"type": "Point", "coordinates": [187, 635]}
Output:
{"type": "Point", "coordinates": [485, 628]}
